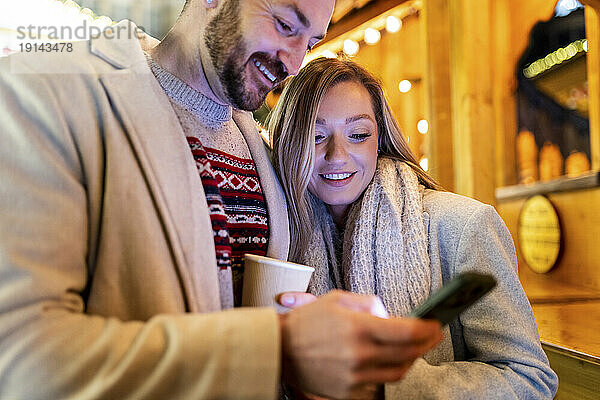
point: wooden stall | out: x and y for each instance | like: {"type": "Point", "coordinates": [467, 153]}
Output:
{"type": "Point", "coordinates": [461, 58]}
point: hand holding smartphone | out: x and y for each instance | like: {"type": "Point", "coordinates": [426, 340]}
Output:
{"type": "Point", "coordinates": [454, 297]}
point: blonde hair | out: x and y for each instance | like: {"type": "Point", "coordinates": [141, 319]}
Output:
{"type": "Point", "coordinates": [291, 125]}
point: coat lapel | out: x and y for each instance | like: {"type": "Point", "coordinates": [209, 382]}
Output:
{"type": "Point", "coordinates": [163, 155]}
{"type": "Point", "coordinates": [279, 233]}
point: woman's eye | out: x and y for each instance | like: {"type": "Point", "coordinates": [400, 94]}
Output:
{"type": "Point", "coordinates": [359, 137]}
{"type": "Point", "coordinates": [319, 138]}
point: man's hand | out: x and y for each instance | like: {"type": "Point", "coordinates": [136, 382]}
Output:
{"type": "Point", "coordinates": [334, 347]}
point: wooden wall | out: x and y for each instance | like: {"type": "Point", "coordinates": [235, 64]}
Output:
{"type": "Point", "coordinates": [579, 210]}
{"type": "Point", "coordinates": [461, 57]}
{"type": "Point", "coordinates": [592, 27]}
{"type": "Point", "coordinates": [396, 57]}
{"type": "Point", "coordinates": [511, 25]}
{"type": "Point", "coordinates": [579, 265]}
{"type": "Point", "coordinates": [465, 55]}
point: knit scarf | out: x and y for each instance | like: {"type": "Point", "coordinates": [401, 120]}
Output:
{"type": "Point", "coordinates": [384, 244]}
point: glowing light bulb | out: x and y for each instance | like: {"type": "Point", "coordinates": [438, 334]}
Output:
{"type": "Point", "coordinates": [404, 86]}
{"type": "Point", "coordinates": [585, 45]}
{"type": "Point", "coordinates": [423, 126]}
{"type": "Point", "coordinates": [393, 24]}
{"type": "Point", "coordinates": [424, 163]}
{"type": "Point", "coordinates": [372, 36]}
{"type": "Point", "coordinates": [351, 47]}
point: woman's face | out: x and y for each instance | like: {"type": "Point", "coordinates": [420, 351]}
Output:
{"type": "Point", "coordinates": [346, 141]}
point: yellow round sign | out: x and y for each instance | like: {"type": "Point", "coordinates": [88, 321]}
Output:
{"type": "Point", "coordinates": [539, 234]}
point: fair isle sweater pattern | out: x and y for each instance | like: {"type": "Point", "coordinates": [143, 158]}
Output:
{"type": "Point", "coordinates": [244, 203]}
{"type": "Point", "coordinates": [236, 203]}
{"type": "Point", "coordinates": [216, 208]}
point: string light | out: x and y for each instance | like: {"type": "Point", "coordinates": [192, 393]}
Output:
{"type": "Point", "coordinates": [369, 32]}
{"type": "Point", "coordinates": [557, 57]}
{"type": "Point", "coordinates": [393, 24]}
{"type": "Point", "coordinates": [328, 54]}
{"type": "Point", "coordinates": [423, 126]}
{"type": "Point", "coordinates": [404, 86]}
{"type": "Point", "coordinates": [372, 36]}
{"type": "Point", "coordinates": [424, 163]}
{"type": "Point", "coordinates": [351, 47]}
{"type": "Point", "coordinates": [565, 7]}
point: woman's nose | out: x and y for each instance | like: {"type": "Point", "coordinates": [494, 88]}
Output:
{"type": "Point", "coordinates": [336, 151]}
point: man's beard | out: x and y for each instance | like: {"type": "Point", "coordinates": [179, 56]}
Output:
{"type": "Point", "coordinates": [227, 50]}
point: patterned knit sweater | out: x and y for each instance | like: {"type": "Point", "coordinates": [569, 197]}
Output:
{"type": "Point", "coordinates": [235, 199]}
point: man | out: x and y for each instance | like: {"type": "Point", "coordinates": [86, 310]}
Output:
{"type": "Point", "coordinates": [118, 264]}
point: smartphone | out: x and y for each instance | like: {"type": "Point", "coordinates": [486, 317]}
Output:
{"type": "Point", "coordinates": [455, 297]}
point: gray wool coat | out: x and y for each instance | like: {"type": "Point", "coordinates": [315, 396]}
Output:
{"type": "Point", "coordinates": [492, 351]}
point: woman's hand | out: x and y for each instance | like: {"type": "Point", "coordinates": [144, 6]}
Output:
{"type": "Point", "coordinates": [295, 299]}
{"type": "Point", "coordinates": [370, 304]}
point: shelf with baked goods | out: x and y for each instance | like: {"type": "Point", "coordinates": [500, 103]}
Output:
{"type": "Point", "coordinates": [562, 184]}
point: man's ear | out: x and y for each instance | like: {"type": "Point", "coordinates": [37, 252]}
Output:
{"type": "Point", "coordinates": [210, 3]}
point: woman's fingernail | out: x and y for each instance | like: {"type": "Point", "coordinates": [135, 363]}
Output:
{"type": "Point", "coordinates": [287, 300]}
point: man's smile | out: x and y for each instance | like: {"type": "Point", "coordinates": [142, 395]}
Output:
{"type": "Point", "coordinates": [264, 70]}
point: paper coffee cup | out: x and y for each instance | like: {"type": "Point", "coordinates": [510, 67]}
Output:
{"type": "Point", "coordinates": [265, 278]}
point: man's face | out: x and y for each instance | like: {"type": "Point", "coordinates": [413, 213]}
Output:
{"type": "Point", "coordinates": [255, 44]}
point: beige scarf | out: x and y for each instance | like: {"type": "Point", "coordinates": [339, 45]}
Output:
{"type": "Point", "coordinates": [384, 248]}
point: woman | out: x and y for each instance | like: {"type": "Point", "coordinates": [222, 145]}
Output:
{"type": "Point", "coordinates": [370, 220]}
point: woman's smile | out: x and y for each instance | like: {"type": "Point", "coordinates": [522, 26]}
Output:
{"type": "Point", "coordinates": [338, 179]}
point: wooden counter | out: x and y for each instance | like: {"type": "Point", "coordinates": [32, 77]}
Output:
{"type": "Point", "coordinates": [568, 319]}
{"type": "Point", "coordinates": [568, 316]}
{"type": "Point", "coordinates": [547, 288]}
{"type": "Point", "coordinates": [574, 327]}
{"type": "Point", "coordinates": [570, 335]}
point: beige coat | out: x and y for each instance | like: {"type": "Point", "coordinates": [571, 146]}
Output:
{"type": "Point", "coordinates": [108, 280]}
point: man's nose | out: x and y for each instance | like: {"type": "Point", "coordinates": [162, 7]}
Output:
{"type": "Point", "coordinates": [293, 54]}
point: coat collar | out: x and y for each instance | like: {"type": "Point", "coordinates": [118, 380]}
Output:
{"type": "Point", "coordinates": [122, 45]}
{"type": "Point", "coordinates": [279, 233]}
